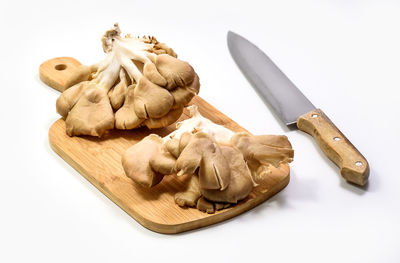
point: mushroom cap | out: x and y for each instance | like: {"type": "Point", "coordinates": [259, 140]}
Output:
{"type": "Point", "coordinates": [151, 100]}
{"type": "Point", "coordinates": [175, 146]}
{"type": "Point", "coordinates": [189, 158]}
{"type": "Point", "coordinates": [191, 195]}
{"type": "Point", "coordinates": [151, 73]}
{"type": "Point", "coordinates": [172, 146]}
{"type": "Point", "coordinates": [241, 182]}
{"type": "Point", "coordinates": [178, 73]}
{"type": "Point", "coordinates": [171, 117]}
{"type": "Point", "coordinates": [146, 162]}
{"type": "Point", "coordinates": [194, 87]}
{"type": "Point", "coordinates": [183, 95]}
{"type": "Point", "coordinates": [69, 97]}
{"type": "Point", "coordinates": [204, 153]}
{"type": "Point", "coordinates": [91, 115]}
{"type": "Point", "coordinates": [264, 149]}
{"type": "Point", "coordinates": [205, 206]}
{"type": "Point", "coordinates": [163, 162]}
{"type": "Point", "coordinates": [118, 92]}
{"type": "Point", "coordinates": [162, 48]}
{"type": "Point", "coordinates": [125, 117]}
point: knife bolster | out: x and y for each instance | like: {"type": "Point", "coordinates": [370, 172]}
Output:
{"type": "Point", "coordinates": [353, 166]}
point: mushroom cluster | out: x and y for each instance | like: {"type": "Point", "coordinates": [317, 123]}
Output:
{"type": "Point", "coordinates": [224, 166]}
{"type": "Point", "coordinates": [140, 83]}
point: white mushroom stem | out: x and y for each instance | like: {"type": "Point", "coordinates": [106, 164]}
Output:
{"type": "Point", "coordinates": [107, 77]}
{"type": "Point", "coordinates": [121, 53]}
{"type": "Point", "coordinates": [197, 123]}
{"type": "Point", "coordinates": [133, 48]}
{"type": "Point", "coordinates": [102, 65]}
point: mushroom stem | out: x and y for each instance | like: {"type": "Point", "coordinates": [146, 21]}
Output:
{"type": "Point", "coordinates": [197, 122]}
{"type": "Point", "coordinates": [108, 77]}
{"type": "Point", "coordinates": [102, 65]}
{"type": "Point", "coordinates": [121, 53]}
{"type": "Point", "coordinates": [132, 70]}
{"type": "Point", "coordinates": [134, 51]}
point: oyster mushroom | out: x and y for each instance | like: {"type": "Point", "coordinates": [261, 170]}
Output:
{"type": "Point", "coordinates": [119, 92]}
{"type": "Point", "coordinates": [203, 153]}
{"type": "Point", "coordinates": [145, 85]}
{"type": "Point", "coordinates": [191, 195]}
{"type": "Point", "coordinates": [147, 162]}
{"type": "Point", "coordinates": [241, 183]}
{"type": "Point", "coordinates": [263, 150]}
{"type": "Point", "coordinates": [224, 166]}
{"type": "Point", "coordinates": [91, 115]}
{"type": "Point", "coordinates": [126, 117]}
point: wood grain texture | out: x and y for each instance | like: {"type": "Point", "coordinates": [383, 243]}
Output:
{"type": "Point", "coordinates": [56, 72]}
{"type": "Point", "coordinates": [99, 161]}
{"type": "Point", "coordinates": [353, 166]}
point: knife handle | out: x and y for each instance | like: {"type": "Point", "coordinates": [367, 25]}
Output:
{"type": "Point", "coordinates": [353, 166]}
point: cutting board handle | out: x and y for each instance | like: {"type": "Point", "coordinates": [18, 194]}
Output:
{"type": "Point", "coordinates": [353, 166]}
{"type": "Point", "coordinates": [58, 73]}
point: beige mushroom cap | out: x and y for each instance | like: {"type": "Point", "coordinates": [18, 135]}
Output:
{"type": "Point", "coordinates": [92, 114]}
{"type": "Point", "coordinates": [265, 149]}
{"type": "Point", "coordinates": [183, 95]}
{"type": "Point", "coordinates": [151, 73]}
{"type": "Point", "coordinates": [118, 92]}
{"type": "Point", "coordinates": [241, 183]}
{"type": "Point", "coordinates": [172, 146]}
{"type": "Point", "coordinates": [69, 97]}
{"type": "Point", "coordinates": [168, 119]}
{"type": "Point", "coordinates": [203, 153]}
{"type": "Point", "coordinates": [178, 73]}
{"type": "Point", "coordinates": [146, 162]}
{"type": "Point", "coordinates": [175, 146]}
{"type": "Point", "coordinates": [125, 117]}
{"type": "Point", "coordinates": [151, 101]}
{"type": "Point", "coordinates": [191, 195]}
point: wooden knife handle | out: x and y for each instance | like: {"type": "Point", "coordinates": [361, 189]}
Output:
{"type": "Point", "coordinates": [353, 166]}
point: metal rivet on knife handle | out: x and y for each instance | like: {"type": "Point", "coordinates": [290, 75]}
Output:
{"type": "Point", "coordinates": [353, 166]}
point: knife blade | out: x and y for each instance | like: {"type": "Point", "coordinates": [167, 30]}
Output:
{"type": "Point", "coordinates": [294, 108]}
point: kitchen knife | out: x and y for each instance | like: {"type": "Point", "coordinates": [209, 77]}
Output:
{"type": "Point", "coordinates": [294, 108]}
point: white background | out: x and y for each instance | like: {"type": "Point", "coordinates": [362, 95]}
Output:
{"type": "Point", "coordinates": [343, 55]}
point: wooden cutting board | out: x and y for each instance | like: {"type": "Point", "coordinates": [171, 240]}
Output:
{"type": "Point", "coordinates": [99, 161]}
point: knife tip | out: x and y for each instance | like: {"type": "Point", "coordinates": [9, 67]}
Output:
{"type": "Point", "coordinates": [230, 33]}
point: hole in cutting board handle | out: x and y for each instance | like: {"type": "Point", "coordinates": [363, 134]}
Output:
{"type": "Point", "coordinates": [60, 67]}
